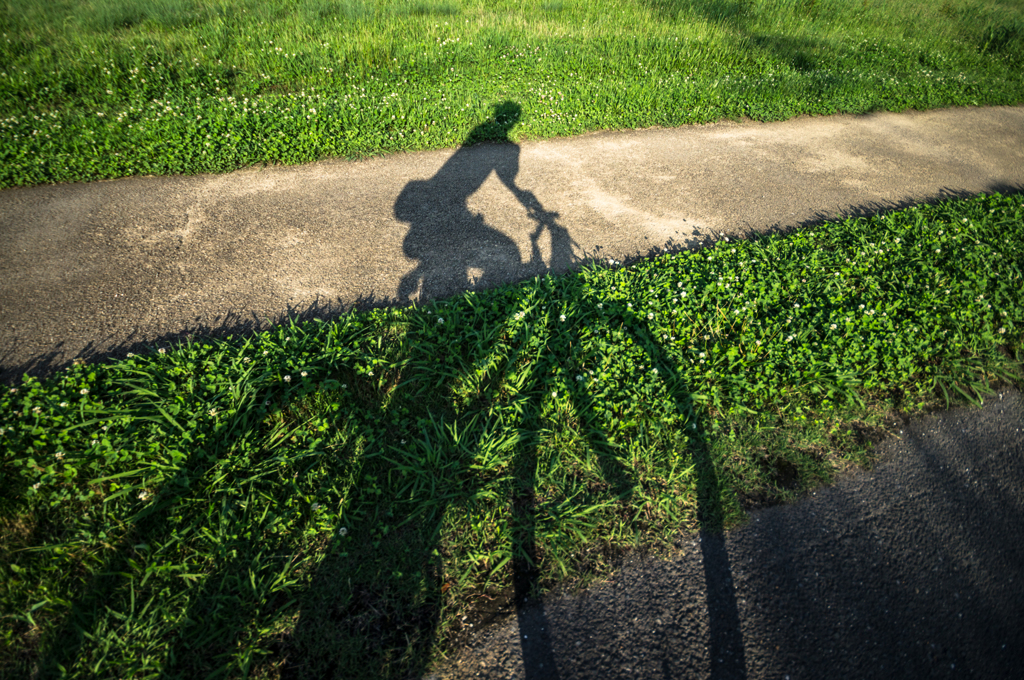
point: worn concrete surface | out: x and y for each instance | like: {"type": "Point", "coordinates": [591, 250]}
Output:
{"type": "Point", "coordinates": [101, 268]}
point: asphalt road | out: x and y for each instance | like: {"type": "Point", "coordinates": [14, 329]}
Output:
{"type": "Point", "coordinates": [912, 570]}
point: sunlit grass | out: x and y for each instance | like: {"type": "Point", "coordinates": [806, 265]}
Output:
{"type": "Point", "coordinates": [330, 498]}
{"type": "Point", "coordinates": [120, 87]}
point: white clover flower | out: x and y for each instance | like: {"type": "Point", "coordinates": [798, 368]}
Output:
{"type": "Point", "coordinates": [304, 374]}
{"type": "Point", "coordinates": [37, 409]}
{"type": "Point", "coordinates": [63, 404]}
{"type": "Point", "coordinates": [579, 378]}
{"type": "Point", "coordinates": [162, 350]}
{"type": "Point", "coordinates": [440, 319]}
{"type": "Point", "coordinates": [650, 315]}
{"type": "Point", "coordinates": [246, 360]}
{"type": "Point", "coordinates": [59, 455]}
{"type": "Point", "coordinates": [561, 317]}
{"type": "Point", "coordinates": [95, 442]}
{"type": "Point", "coordinates": [554, 394]}
{"type": "Point", "coordinates": [84, 390]}
{"type": "Point", "coordinates": [679, 284]}
{"type": "Point", "coordinates": [36, 485]}
{"type": "Point", "coordinates": [600, 305]}
{"type": "Point", "coordinates": [13, 390]}
{"type": "Point", "coordinates": [131, 354]}
{"type": "Point", "coordinates": [143, 495]}
{"type": "Point", "coordinates": [314, 506]}
{"type": "Point", "coordinates": [1002, 330]}
{"type": "Point", "coordinates": [213, 412]}
{"type": "Point", "coordinates": [287, 378]}
{"type": "Point", "coordinates": [701, 355]}
{"type": "Point", "coordinates": [343, 531]}
{"type": "Point", "coordinates": [629, 305]}
{"type": "Point", "coordinates": [832, 326]}
{"type": "Point", "coordinates": [266, 352]}
{"type": "Point", "coordinates": [789, 338]}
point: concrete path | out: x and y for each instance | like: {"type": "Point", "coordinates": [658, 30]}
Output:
{"type": "Point", "coordinates": [100, 268]}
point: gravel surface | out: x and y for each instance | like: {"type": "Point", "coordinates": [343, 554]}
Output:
{"type": "Point", "coordinates": [912, 570]}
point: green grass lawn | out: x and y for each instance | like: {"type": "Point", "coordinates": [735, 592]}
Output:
{"type": "Point", "coordinates": [109, 88]}
{"type": "Point", "coordinates": [329, 499]}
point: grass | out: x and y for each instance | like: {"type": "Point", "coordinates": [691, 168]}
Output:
{"type": "Point", "coordinates": [111, 88]}
{"type": "Point", "coordinates": [332, 498]}
{"type": "Point", "coordinates": [329, 499]}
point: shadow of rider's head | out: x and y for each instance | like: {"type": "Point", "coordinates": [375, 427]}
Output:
{"type": "Point", "coordinates": [497, 127]}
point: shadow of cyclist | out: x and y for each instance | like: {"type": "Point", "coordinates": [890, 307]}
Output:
{"type": "Point", "coordinates": [450, 242]}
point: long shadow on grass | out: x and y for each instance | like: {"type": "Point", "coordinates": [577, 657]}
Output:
{"type": "Point", "coordinates": [727, 659]}
{"type": "Point", "coordinates": [377, 607]}
{"type": "Point", "coordinates": [377, 603]}
{"type": "Point", "coordinates": [113, 594]}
